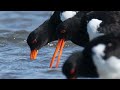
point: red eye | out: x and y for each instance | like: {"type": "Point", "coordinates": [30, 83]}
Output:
{"type": "Point", "coordinates": [34, 41]}
{"type": "Point", "coordinates": [72, 71]}
{"type": "Point", "coordinates": [63, 31]}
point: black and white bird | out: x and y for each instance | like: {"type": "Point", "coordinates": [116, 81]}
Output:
{"type": "Point", "coordinates": [100, 58]}
{"type": "Point", "coordinates": [87, 25]}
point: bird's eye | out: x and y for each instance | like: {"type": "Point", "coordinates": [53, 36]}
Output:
{"type": "Point", "coordinates": [72, 71]}
{"type": "Point", "coordinates": [109, 44]}
{"type": "Point", "coordinates": [34, 41]}
{"type": "Point", "coordinates": [62, 31]}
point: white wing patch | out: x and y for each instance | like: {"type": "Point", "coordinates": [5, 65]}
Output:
{"type": "Point", "coordinates": [107, 69]}
{"type": "Point", "coordinates": [68, 14]}
{"type": "Point", "coordinates": [92, 27]}
{"type": "Point", "coordinates": [99, 49]}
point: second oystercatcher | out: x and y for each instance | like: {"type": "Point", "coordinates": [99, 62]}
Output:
{"type": "Point", "coordinates": [86, 25]}
{"type": "Point", "coordinates": [100, 58]}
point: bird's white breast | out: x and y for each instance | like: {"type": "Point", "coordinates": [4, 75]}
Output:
{"type": "Point", "coordinates": [92, 28]}
{"type": "Point", "coordinates": [107, 69]}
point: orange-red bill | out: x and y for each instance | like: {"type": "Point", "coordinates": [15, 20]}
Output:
{"type": "Point", "coordinates": [60, 54]}
{"type": "Point", "coordinates": [33, 54]}
{"type": "Point", "coordinates": [56, 51]}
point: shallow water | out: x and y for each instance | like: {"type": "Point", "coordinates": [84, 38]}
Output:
{"type": "Point", "coordinates": [15, 61]}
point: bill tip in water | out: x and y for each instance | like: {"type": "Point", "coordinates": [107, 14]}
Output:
{"type": "Point", "coordinates": [33, 54]}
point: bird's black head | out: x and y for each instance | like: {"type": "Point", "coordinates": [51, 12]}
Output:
{"type": "Point", "coordinates": [35, 41]}
{"type": "Point", "coordinates": [79, 65]}
{"type": "Point", "coordinates": [64, 30]}
{"type": "Point", "coordinates": [73, 29]}
{"type": "Point", "coordinates": [71, 66]}
{"type": "Point", "coordinates": [44, 34]}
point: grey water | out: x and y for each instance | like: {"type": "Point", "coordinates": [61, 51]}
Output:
{"type": "Point", "coordinates": [15, 62]}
